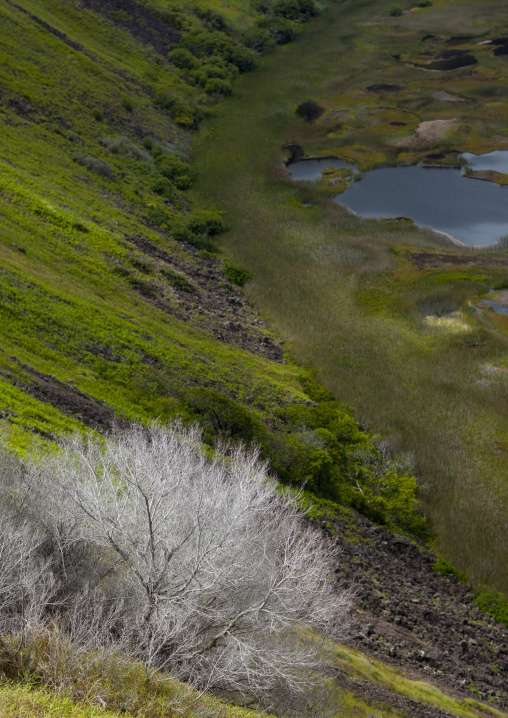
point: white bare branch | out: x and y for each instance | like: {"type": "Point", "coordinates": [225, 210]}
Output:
{"type": "Point", "coordinates": [204, 566]}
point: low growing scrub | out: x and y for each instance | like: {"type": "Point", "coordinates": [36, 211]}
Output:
{"type": "Point", "coordinates": [237, 274]}
{"type": "Point", "coordinates": [94, 164]}
{"type": "Point", "coordinates": [495, 604]}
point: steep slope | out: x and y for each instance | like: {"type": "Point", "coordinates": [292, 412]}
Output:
{"type": "Point", "coordinates": [115, 305]}
{"type": "Point", "coordinates": [112, 306]}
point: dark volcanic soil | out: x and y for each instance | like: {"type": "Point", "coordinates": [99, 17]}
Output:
{"type": "Point", "coordinates": [414, 618]}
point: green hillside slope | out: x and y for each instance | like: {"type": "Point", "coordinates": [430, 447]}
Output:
{"type": "Point", "coordinates": [115, 305]}
{"type": "Point", "coordinates": [100, 302]}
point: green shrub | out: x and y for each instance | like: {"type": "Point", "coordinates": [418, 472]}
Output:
{"type": "Point", "coordinates": [127, 104]}
{"type": "Point", "coordinates": [242, 57]}
{"type": "Point", "coordinates": [97, 115]}
{"type": "Point", "coordinates": [215, 85]}
{"type": "Point", "coordinates": [224, 418]}
{"type": "Point", "coordinates": [394, 11]}
{"type": "Point", "coordinates": [182, 112]}
{"type": "Point", "coordinates": [141, 286]}
{"type": "Point", "coordinates": [142, 265]}
{"type": "Point", "coordinates": [158, 215]}
{"type": "Point", "coordinates": [213, 19]}
{"type": "Point", "coordinates": [163, 187]}
{"type": "Point", "coordinates": [258, 39]}
{"type": "Point", "coordinates": [206, 221]}
{"type": "Point", "coordinates": [178, 280]}
{"type": "Point", "coordinates": [444, 568]}
{"type": "Point", "coordinates": [495, 604]}
{"type": "Point", "coordinates": [174, 169]}
{"type": "Point", "coordinates": [385, 489]}
{"type": "Point", "coordinates": [207, 43]}
{"type": "Point", "coordinates": [94, 164]}
{"type": "Point", "coordinates": [183, 59]}
{"type": "Point", "coordinates": [286, 8]}
{"type": "Point", "coordinates": [125, 147]}
{"type": "Point", "coordinates": [425, 3]}
{"type": "Point", "coordinates": [237, 274]}
{"type": "Point", "coordinates": [308, 8]}
{"type": "Point", "coordinates": [180, 230]}
{"type": "Point", "coordinates": [281, 30]}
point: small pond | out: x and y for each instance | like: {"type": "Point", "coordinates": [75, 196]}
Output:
{"type": "Point", "coordinates": [497, 160]}
{"type": "Point", "coordinates": [311, 170]}
{"type": "Point", "coordinates": [496, 306]}
{"type": "Point", "coordinates": [474, 212]}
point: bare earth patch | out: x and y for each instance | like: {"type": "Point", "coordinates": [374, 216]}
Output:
{"type": "Point", "coordinates": [429, 133]}
{"type": "Point", "coordinates": [502, 297]}
{"type": "Point", "coordinates": [446, 97]}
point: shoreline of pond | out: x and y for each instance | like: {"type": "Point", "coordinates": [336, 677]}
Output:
{"type": "Point", "coordinates": [471, 214]}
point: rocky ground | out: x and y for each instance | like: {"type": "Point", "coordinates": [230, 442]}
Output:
{"type": "Point", "coordinates": [413, 617]}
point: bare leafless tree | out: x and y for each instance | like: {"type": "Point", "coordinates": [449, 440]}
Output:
{"type": "Point", "coordinates": [212, 570]}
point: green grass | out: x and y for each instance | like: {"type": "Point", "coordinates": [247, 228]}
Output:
{"type": "Point", "coordinates": [362, 668]}
{"type": "Point", "coordinates": [49, 678]}
{"type": "Point", "coordinates": [342, 291]}
{"type": "Point", "coordinates": [78, 299]}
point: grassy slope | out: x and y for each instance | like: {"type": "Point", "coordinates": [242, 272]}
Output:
{"type": "Point", "coordinates": [345, 293]}
{"type": "Point", "coordinates": [110, 687]}
{"type": "Point", "coordinates": [65, 310]}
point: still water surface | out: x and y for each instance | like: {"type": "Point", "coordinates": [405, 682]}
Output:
{"type": "Point", "coordinates": [311, 170]}
{"type": "Point", "coordinates": [473, 211]}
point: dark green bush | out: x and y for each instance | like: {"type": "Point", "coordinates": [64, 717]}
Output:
{"type": "Point", "coordinates": [213, 19]}
{"type": "Point", "coordinates": [142, 265]}
{"type": "Point", "coordinates": [237, 274]}
{"type": "Point", "coordinates": [258, 39]}
{"type": "Point", "coordinates": [215, 85]}
{"type": "Point", "coordinates": [94, 164]}
{"type": "Point", "coordinates": [97, 115]}
{"type": "Point", "coordinates": [444, 568]}
{"type": "Point", "coordinates": [280, 29]}
{"type": "Point", "coordinates": [158, 215]}
{"type": "Point", "coordinates": [178, 280]}
{"type": "Point", "coordinates": [385, 489]}
{"type": "Point", "coordinates": [286, 8]}
{"type": "Point", "coordinates": [141, 286]}
{"type": "Point", "coordinates": [495, 604]}
{"type": "Point", "coordinates": [182, 112]}
{"type": "Point", "coordinates": [183, 59]}
{"type": "Point", "coordinates": [394, 11]}
{"type": "Point", "coordinates": [209, 43]}
{"type": "Point", "coordinates": [206, 221]}
{"type": "Point", "coordinates": [308, 8]}
{"type": "Point", "coordinates": [224, 418]}
{"type": "Point", "coordinates": [163, 187]}
{"type": "Point", "coordinates": [171, 167]}
{"type": "Point", "coordinates": [216, 67]}
{"type": "Point", "coordinates": [127, 104]}
{"type": "Point", "coordinates": [242, 57]}
{"type": "Point", "coordinates": [121, 271]}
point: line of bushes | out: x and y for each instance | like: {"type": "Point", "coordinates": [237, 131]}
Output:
{"type": "Point", "coordinates": [320, 446]}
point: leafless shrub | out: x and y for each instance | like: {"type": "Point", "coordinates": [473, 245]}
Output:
{"type": "Point", "coordinates": [95, 165]}
{"type": "Point", "coordinates": [199, 566]}
{"type": "Point", "coordinates": [121, 145]}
